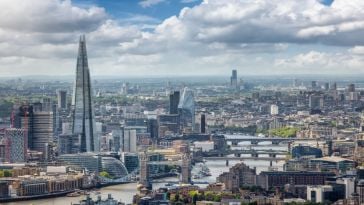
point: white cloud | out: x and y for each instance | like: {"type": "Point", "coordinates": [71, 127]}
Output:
{"type": "Point", "coordinates": [149, 3]}
{"type": "Point", "coordinates": [49, 16]}
{"type": "Point", "coordinates": [357, 50]}
{"type": "Point", "coordinates": [323, 62]}
{"type": "Point", "coordinates": [209, 38]}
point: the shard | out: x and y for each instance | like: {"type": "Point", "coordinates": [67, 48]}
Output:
{"type": "Point", "coordinates": [83, 118]}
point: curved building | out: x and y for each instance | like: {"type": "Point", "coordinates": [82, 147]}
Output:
{"type": "Point", "coordinates": [114, 167]}
{"type": "Point", "coordinates": [186, 109]}
{"type": "Point", "coordinates": [88, 161]}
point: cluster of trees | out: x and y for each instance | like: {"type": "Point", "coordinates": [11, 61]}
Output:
{"type": "Point", "coordinates": [284, 132]}
{"type": "Point", "coordinates": [194, 196]}
{"type": "Point", "coordinates": [5, 173]}
{"type": "Point", "coordinates": [105, 174]}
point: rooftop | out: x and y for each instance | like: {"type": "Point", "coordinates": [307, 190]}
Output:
{"type": "Point", "coordinates": [332, 159]}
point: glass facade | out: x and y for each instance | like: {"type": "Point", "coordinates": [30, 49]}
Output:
{"type": "Point", "coordinates": [114, 167]}
{"type": "Point", "coordinates": [300, 151]}
{"type": "Point", "coordinates": [83, 120]}
{"type": "Point", "coordinates": [186, 108]}
{"type": "Point", "coordinates": [89, 161]}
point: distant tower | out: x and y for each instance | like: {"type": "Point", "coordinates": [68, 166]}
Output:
{"type": "Point", "coordinates": [203, 123]}
{"type": "Point", "coordinates": [186, 109]}
{"type": "Point", "coordinates": [62, 99]}
{"type": "Point", "coordinates": [234, 79]}
{"type": "Point", "coordinates": [152, 128]}
{"type": "Point", "coordinates": [17, 144]}
{"type": "Point", "coordinates": [46, 105]}
{"type": "Point", "coordinates": [83, 120]}
{"type": "Point", "coordinates": [351, 88]}
{"type": "Point", "coordinates": [144, 178]}
{"type": "Point", "coordinates": [316, 102]}
{"type": "Point", "coordinates": [326, 86]}
{"type": "Point", "coordinates": [125, 88]}
{"type": "Point", "coordinates": [42, 130]}
{"type": "Point", "coordinates": [186, 169]}
{"type": "Point", "coordinates": [333, 86]}
{"type": "Point", "coordinates": [314, 85]}
{"type": "Point", "coordinates": [173, 102]}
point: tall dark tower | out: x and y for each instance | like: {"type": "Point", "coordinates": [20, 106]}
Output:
{"type": "Point", "coordinates": [203, 123]}
{"type": "Point", "coordinates": [234, 79]}
{"type": "Point", "coordinates": [173, 102]}
{"type": "Point", "coordinates": [83, 119]}
{"type": "Point", "coordinates": [152, 128]}
{"type": "Point", "coordinates": [62, 99]}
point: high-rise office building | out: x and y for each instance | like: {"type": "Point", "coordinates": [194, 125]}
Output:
{"type": "Point", "coordinates": [129, 141]}
{"type": "Point", "coordinates": [83, 120]}
{"type": "Point", "coordinates": [68, 144]}
{"type": "Point", "coordinates": [186, 109]}
{"type": "Point", "coordinates": [117, 137]}
{"type": "Point", "coordinates": [274, 109]}
{"type": "Point", "coordinates": [326, 86]}
{"type": "Point", "coordinates": [351, 94]}
{"type": "Point", "coordinates": [125, 88]}
{"type": "Point", "coordinates": [203, 123]}
{"type": "Point", "coordinates": [351, 88]}
{"type": "Point", "coordinates": [314, 85]}
{"type": "Point", "coordinates": [46, 105]}
{"type": "Point", "coordinates": [173, 102]}
{"type": "Point", "coordinates": [316, 102]}
{"type": "Point", "coordinates": [360, 190]}
{"type": "Point", "coordinates": [234, 79]}
{"type": "Point", "coordinates": [23, 118]}
{"type": "Point", "coordinates": [42, 130]}
{"type": "Point", "coordinates": [152, 128]}
{"type": "Point", "coordinates": [168, 124]}
{"type": "Point", "coordinates": [62, 99]}
{"type": "Point", "coordinates": [130, 160]}
{"type": "Point", "coordinates": [17, 145]}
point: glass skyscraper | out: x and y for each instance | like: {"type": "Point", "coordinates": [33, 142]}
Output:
{"type": "Point", "coordinates": [186, 109]}
{"type": "Point", "coordinates": [83, 119]}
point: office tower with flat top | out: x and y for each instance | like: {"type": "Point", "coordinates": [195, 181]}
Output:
{"type": "Point", "coordinates": [173, 102]}
{"type": "Point", "coordinates": [62, 99]}
{"type": "Point", "coordinates": [234, 79]}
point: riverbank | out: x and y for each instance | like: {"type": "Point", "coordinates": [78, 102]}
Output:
{"type": "Point", "coordinates": [35, 197]}
{"type": "Point", "coordinates": [121, 192]}
{"type": "Point", "coordinates": [61, 194]}
{"type": "Point", "coordinates": [125, 192]}
{"type": "Point", "coordinates": [56, 194]}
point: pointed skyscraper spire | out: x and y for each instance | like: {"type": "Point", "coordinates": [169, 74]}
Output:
{"type": "Point", "coordinates": [83, 118]}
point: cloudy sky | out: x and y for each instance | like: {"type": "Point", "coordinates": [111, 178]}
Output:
{"type": "Point", "coordinates": [183, 37]}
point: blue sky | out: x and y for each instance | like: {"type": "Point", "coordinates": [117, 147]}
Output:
{"type": "Point", "coordinates": [124, 9]}
{"type": "Point", "coordinates": [183, 37]}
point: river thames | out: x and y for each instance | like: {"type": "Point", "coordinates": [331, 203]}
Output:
{"type": "Point", "coordinates": [125, 192]}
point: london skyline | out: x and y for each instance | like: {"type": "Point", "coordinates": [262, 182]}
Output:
{"type": "Point", "coordinates": [183, 37]}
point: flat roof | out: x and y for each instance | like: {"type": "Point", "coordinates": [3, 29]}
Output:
{"type": "Point", "coordinates": [332, 159]}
